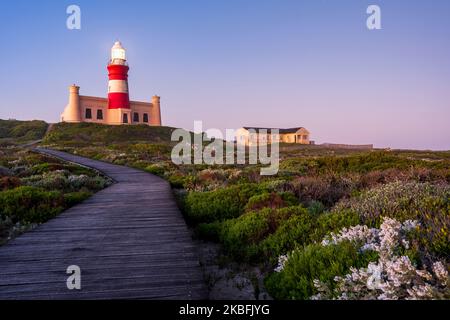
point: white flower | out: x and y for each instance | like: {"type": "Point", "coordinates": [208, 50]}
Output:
{"type": "Point", "coordinates": [374, 280]}
{"type": "Point", "coordinates": [281, 263]}
{"type": "Point", "coordinates": [409, 225]}
{"type": "Point", "coordinates": [441, 272]}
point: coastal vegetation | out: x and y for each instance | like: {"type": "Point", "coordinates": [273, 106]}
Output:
{"type": "Point", "coordinates": [332, 224]}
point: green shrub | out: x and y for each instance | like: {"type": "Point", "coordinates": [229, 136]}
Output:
{"type": "Point", "coordinates": [315, 208]}
{"type": "Point", "coordinates": [43, 167]}
{"type": "Point", "coordinates": [315, 261]}
{"type": "Point", "coordinates": [177, 181]}
{"type": "Point", "coordinates": [30, 205]}
{"type": "Point", "coordinates": [268, 231]}
{"type": "Point", "coordinates": [219, 205]}
{"type": "Point", "coordinates": [293, 232]}
{"type": "Point", "coordinates": [271, 200]}
{"type": "Point", "coordinates": [209, 231]}
{"type": "Point", "coordinates": [333, 222]}
{"type": "Point", "coordinates": [239, 236]}
{"type": "Point", "coordinates": [155, 169]}
{"type": "Point", "coordinates": [73, 198]}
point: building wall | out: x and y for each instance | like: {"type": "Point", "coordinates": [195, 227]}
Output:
{"type": "Point", "coordinates": [300, 137]}
{"type": "Point", "coordinates": [95, 110]}
{"type": "Point", "coordinates": [243, 136]}
{"type": "Point", "coordinates": [93, 104]}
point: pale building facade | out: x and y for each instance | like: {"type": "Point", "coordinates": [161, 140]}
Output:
{"type": "Point", "coordinates": [251, 136]}
{"type": "Point", "coordinates": [116, 109]}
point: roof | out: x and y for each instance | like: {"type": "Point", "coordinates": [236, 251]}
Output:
{"type": "Point", "coordinates": [289, 130]}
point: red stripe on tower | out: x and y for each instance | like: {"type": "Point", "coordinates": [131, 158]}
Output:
{"type": "Point", "coordinates": [118, 96]}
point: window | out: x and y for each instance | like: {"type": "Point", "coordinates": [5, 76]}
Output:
{"type": "Point", "coordinates": [99, 114]}
{"type": "Point", "coordinates": [146, 117]}
{"type": "Point", "coordinates": [135, 117]}
{"type": "Point", "coordinates": [125, 118]}
{"type": "Point", "coordinates": [88, 114]}
{"type": "Point", "coordinates": [305, 137]}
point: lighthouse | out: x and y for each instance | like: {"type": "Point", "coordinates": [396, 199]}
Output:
{"type": "Point", "coordinates": [116, 109]}
{"type": "Point", "coordinates": [118, 97]}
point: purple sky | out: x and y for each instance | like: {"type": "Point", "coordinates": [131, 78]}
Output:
{"type": "Point", "coordinates": [236, 63]}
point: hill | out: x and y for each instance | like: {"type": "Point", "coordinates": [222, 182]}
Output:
{"type": "Point", "coordinates": [89, 134]}
{"type": "Point", "coordinates": [15, 131]}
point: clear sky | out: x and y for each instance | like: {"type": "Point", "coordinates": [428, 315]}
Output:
{"type": "Point", "coordinates": [231, 63]}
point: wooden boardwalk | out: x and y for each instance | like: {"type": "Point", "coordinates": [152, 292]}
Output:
{"type": "Point", "coordinates": [129, 240]}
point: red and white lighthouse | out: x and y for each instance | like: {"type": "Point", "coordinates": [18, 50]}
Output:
{"type": "Point", "coordinates": [118, 97]}
{"type": "Point", "coordinates": [117, 109]}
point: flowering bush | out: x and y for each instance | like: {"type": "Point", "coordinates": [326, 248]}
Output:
{"type": "Point", "coordinates": [398, 199]}
{"type": "Point", "coordinates": [294, 276]}
{"type": "Point", "coordinates": [393, 276]}
{"type": "Point", "coordinates": [49, 180]}
{"type": "Point", "coordinates": [368, 263]}
{"type": "Point", "coordinates": [427, 203]}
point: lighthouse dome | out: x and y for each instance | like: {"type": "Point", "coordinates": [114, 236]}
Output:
{"type": "Point", "coordinates": [118, 51]}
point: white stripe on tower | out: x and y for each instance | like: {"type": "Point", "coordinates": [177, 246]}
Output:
{"type": "Point", "coordinates": [118, 86]}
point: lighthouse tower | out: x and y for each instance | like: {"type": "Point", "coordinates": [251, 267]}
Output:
{"type": "Point", "coordinates": [118, 97]}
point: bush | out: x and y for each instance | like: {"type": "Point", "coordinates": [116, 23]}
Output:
{"type": "Point", "coordinates": [9, 183]}
{"type": "Point", "coordinates": [293, 232]}
{"type": "Point", "coordinates": [315, 208]}
{"type": "Point", "coordinates": [327, 189]}
{"type": "Point", "coordinates": [399, 200]}
{"type": "Point", "coordinates": [271, 200]}
{"type": "Point", "coordinates": [315, 261]}
{"type": "Point", "coordinates": [155, 169]}
{"type": "Point", "coordinates": [74, 198]}
{"type": "Point", "coordinates": [332, 222]}
{"type": "Point", "coordinates": [268, 231]}
{"type": "Point", "coordinates": [46, 167]}
{"type": "Point", "coordinates": [30, 205]}
{"type": "Point", "coordinates": [209, 231]}
{"type": "Point", "coordinates": [240, 236]}
{"type": "Point", "coordinates": [219, 205]}
{"type": "Point", "coordinates": [53, 180]}
{"type": "Point", "coordinates": [177, 181]}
